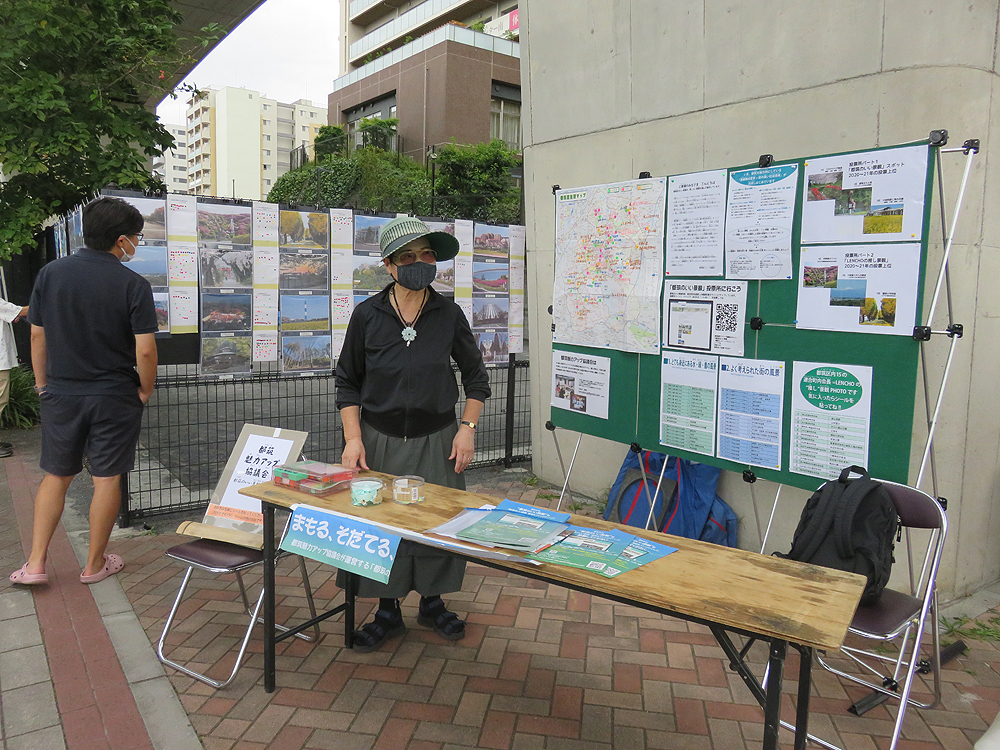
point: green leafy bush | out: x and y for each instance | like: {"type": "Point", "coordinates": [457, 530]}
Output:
{"type": "Point", "coordinates": [23, 409]}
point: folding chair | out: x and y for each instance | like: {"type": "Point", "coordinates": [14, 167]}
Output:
{"type": "Point", "coordinates": [222, 557]}
{"type": "Point", "coordinates": [903, 616]}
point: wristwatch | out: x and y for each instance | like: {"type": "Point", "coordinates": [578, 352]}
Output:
{"type": "Point", "coordinates": [467, 423]}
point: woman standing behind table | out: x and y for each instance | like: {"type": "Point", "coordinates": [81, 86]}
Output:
{"type": "Point", "coordinates": [396, 392]}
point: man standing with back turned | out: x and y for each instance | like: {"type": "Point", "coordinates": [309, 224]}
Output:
{"type": "Point", "coordinates": [94, 356]}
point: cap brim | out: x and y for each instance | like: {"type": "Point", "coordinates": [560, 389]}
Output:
{"type": "Point", "coordinates": [444, 245]}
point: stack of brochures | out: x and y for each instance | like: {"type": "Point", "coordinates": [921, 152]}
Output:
{"type": "Point", "coordinates": [514, 526]}
{"type": "Point", "coordinates": [546, 537]}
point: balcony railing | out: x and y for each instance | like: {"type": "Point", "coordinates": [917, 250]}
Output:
{"type": "Point", "coordinates": [448, 32]}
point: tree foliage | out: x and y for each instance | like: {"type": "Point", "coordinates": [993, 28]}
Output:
{"type": "Point", "coordinates": [475, 182]}
{"type": "Point", "coordinates": [378, 133]}
{"type": "Point", "coordinates": [330, 139]}
{"type": "Point", "coordinates": [75, 77]}
{"type": "Point", "coordinates": [472, 182]}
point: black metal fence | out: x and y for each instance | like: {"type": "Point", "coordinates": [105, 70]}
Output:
{"type": "Point", "coordinates": [191, 424]}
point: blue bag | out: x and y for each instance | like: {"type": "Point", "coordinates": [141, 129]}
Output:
{"type": "Point", "coordinates": [693, 509]}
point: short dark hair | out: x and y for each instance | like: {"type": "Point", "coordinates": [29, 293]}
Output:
{"type": "Point", "coordinates": [106, 219]}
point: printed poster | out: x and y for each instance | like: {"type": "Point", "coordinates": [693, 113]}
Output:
{"type": "Point", "coordinates": [609, 266]}
{"type": "Point", "coordinates": [696, 216]}
{"type": "Point", "coordinates": [581, 383]}
{"type": "Point", "coordinates": [831, 418]}
{"type": "Point", "coordinates": [751, 398]}
{"type": "Point", "coordinates": [759, 215]}
{"type": "Point", "coordinates": [859, 288]}
{"type": "Point", "coordinates": [705, 316]}
{"type": "Point", "coordinates": [867, 196]}
{"type": "Point", "coordinates": [688, 394]}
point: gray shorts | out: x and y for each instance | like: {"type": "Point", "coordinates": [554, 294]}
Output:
{"type": "Point", "coordinates": [105, 428]}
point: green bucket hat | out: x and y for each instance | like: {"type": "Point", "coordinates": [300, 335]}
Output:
{"type": "Point", "coordinates": [405, 229]}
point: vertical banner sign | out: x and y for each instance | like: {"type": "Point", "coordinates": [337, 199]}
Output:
{"type": "Point", "coordinates": [444, 279]}
{"type": "Point", "coordinates": [226, 264]}
{"type": "Point", "coordinates": [491, 291]}
{"type": "Point", "coordinates": [304, 291]}
{"type": "Point", "coordinates": [515, 322]}
{"type": "Point", "coordinates": [150, 260]}
{"type": "Point", "coordinates": [464, 233]}
{"type": "Point", "coordinates": [265, 282]}
{"type": "Point", "coordinates": [182, 262]}
{"type": "Point", "coordinates": [344, 542]}
{"type": "Point", "coordinates": [341, 269]}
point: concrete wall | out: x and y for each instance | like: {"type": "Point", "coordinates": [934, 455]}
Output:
{"type": "Point", "coordinates": [236, 144]}
{"type": "Point", "coordinates": [615, 87]}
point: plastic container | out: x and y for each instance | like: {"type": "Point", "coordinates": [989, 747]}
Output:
{"type": "Point", "coordinates": [314, 477]}
{"type": "Point", "coordinates": [407, 490]}
{"type": "Point", "coordinates": [366, 491]}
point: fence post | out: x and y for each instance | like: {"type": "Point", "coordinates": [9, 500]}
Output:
{"type": "Point", "coordinates": [125, 506]}
{"type": "Point", "coordinates": [509, 426]}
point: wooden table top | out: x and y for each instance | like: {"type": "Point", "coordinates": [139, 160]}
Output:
{"type": "Point", "coordinates": [769, 596]}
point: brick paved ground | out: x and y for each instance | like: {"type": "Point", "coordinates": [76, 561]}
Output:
{"type": "Point", "coordinates": [541, 667]}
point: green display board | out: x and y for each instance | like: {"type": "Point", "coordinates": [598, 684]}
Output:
{"type": "Point", "coordinates": [634, 398]}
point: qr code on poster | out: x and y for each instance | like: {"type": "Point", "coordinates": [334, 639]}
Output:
{"type": "Point", "coordinates": [725, 317]}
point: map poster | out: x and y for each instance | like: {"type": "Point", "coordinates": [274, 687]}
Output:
{"type": "Point", "coordinates": [859, 288]}
{"type": "Point", "coordinates": [581, 383]}
{"type": "Point", "coordinates": [831, 418]}
{"type": "Point", "coordinates": [707, 316]}
{"type": "Point", "coordinates": [869, 196]}
{"type": "Point", "coordinates": [696, 215]}
{"type": "Point", "coordinates": [688, 394]}
{"type": "Point", "coordinates": [751, 404]}
{"type": "Point", "coordinates": [609, 266]}
{"type": "Point", "coordinates": [759, 215]}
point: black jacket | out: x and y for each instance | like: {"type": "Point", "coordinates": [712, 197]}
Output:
{"type": "Point", "coordinates": [408, 391]}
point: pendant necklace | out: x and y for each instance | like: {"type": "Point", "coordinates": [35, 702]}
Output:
{"type": "Point", "coordinates": [409, 332]}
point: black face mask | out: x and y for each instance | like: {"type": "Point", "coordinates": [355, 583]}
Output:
{"type": "Point", "coordinates": [416, 276]}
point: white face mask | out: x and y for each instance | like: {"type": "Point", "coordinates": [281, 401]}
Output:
{"type": "Point", "coordinates": [126, 257]}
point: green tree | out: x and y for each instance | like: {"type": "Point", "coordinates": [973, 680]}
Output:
{"type": "Point", "coordinates": [378, 133]}
{"type": "Point", "coordinates": [75, 78]}
{"type": "Point", "coordinates": [330, 139]}
{"type": "Point", "coordinates": [475, 182]}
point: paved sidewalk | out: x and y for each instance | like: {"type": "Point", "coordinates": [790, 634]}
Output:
{"type": "Point", "coordinates": [540, 668]}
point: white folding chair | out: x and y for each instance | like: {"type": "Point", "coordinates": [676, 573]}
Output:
{"type": "Point", "coordinates": [222, 557]}
{"type": "Point", "coordinates": [901, 616]}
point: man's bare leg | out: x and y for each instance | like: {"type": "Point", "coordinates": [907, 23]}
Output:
{"type": "Point", "coordinates": [103, 512]}
{"type": "Point", "coordinates": [49, 502]}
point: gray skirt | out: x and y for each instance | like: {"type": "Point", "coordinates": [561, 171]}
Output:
{"type": "Point", "coordinates": [425, 570]}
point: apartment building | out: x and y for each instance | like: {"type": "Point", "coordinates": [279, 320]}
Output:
{"type": "Point", "coordinates": [171, 166]}
{"type": "Point", "coordinates": [239, 141]}
{"type": "Point", "coordinates": [422, 62]}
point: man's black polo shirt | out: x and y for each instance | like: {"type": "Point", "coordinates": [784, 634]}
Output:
{"type": "Point", "coordinates": [91, 306]}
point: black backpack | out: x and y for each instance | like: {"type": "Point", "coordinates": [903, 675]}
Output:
{"type": "Point", "coordinates": [849, 524]}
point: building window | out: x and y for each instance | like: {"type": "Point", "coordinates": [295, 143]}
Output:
{"type": "Point", "coordinates": [179, 169]}
{"type": "Point", "coordinates": [267, 122]}
{"type": "Point", "coordinates": [265, 107]}
{"type": "Point", "coordinates": [267, 152]}
{"type": "Point", "coordinates": [267, 167]}
{"type": "Point", "coordinates": [267, 137]}
{"type": "Point", "coordinates": [305, 128]}
{"type": "Point", "coordinates": [392, 111]}
{"type": "Point", "coordinates": [267, 182]}
{"type": "Point", "coordinates": [505, 122]}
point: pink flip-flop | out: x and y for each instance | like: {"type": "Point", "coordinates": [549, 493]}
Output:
{"type": "Point", "coordinates": [28, 579]}
{"type": "Point", "coordinates": [112, 564]}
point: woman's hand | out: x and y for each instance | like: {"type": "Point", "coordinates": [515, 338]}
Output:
{"type": "Point", "coordinates": [354, 454]}
{"type": "Point", "coordinates": [462, 448]}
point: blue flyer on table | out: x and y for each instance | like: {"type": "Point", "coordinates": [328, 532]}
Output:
{"type": "Point", "coordinates": [591, 549]}
{"type": "Point", "coordinates": [639, 552]}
